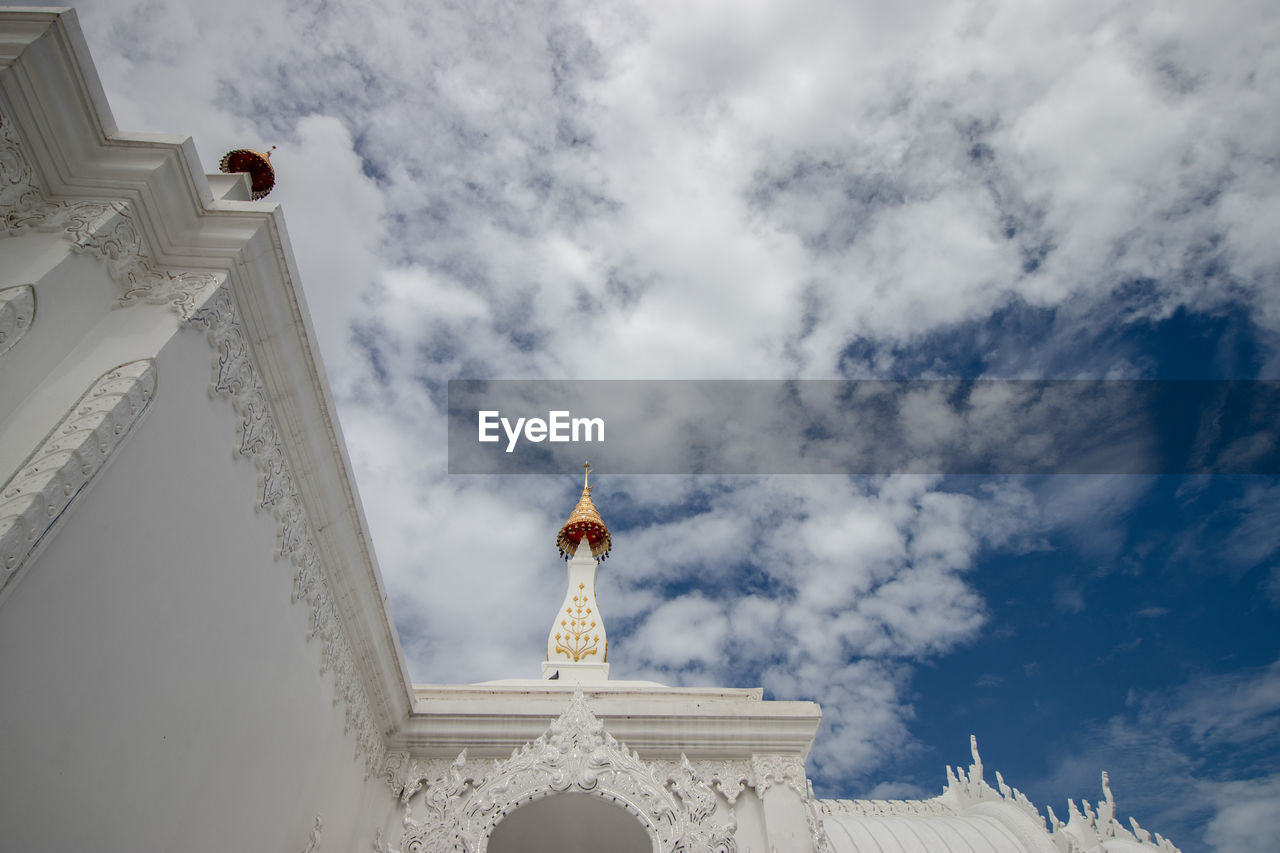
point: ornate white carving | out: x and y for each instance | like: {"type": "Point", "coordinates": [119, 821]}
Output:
{"type": "Point", "coordinates": [786, 770]}
{"type": "Point", "coordinates": [730, 776]}
{"type": "Point", "coordinates": [396, 770]}
{"type": "Point", "coordinates": [54, 474]}
{"type": "Point", "coordinates": [1085, 829]}
{"type": "Point", "coordinates": [19, 194]}
{"type": "Point", "coordinates": [118, 241]}
{"type": "Point", "coordinates": [965, 789]}
{"type": "Point", "coordinates": [817, 829]}
{"type": "Point", "coordinates": [406, 776]}
{"type": "Point", "coordinates": [235, 376]}
{"type": "Point", "coordinates": [882, 808]}
{"type": "Point", "coordinates": [313, 840]}
{"type": "Point", "coordinates": [17, 311]}
{"type": "Point", "coordinates": [459, 808]}
{"type": "Point", "coordinates": [102, 228]}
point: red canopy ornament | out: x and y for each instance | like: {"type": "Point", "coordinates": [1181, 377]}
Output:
{"type": "Point", "coordinates": [584, 523]}
{"type": "Point", "coordinates": [257, 163]}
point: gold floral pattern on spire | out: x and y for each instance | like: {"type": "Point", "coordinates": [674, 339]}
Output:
{"type": "Point", "coordinates": [584, 523]}
{"type": "Point", "coordinates": [574, 640]}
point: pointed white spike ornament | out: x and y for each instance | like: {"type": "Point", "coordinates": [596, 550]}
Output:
{"type": "Point", "coordinates": [577, 646]}
{"type": "Point", "coordinates": [1084, 828]}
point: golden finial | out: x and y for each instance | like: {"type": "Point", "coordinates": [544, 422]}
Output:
{"type": "Point", "coordinates": [257, 163]}
{"type": "Point", "coordinates": [584, 523]}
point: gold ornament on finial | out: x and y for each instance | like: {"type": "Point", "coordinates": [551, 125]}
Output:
{"type": "Point", "coordinates": [584, 523]}
{"type": "Point", "coordinates": [257, 163]}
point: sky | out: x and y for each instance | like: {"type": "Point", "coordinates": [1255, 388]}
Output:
{"type": "Point", "coordinates": [809, 190]}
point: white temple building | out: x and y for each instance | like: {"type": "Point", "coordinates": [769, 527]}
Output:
{"type": "Point", "coordinates": [195, 647]}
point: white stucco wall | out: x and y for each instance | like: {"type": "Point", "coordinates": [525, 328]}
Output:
{"type": "Point", "coordinates": [157, 687]}
{"type": "Point", "coordinates": [73, 294]}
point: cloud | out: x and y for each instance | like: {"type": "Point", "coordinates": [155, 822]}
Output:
{"type": "Point", "coordinates": [1253, 539]}
{"type": "Point", "coordinates": [825, 588]}
{"type": "Point", "coordinates": [323, 190]}
{"type": "Point", "coordinates": [683, 632]}
{"type": "Point", "coordinates": [1245, 819]}
{"type": "Point", "coordinates": [1226, 709]}
{"type": "Point", "coordinates": [1068, 599]}
{"type": "Point", "coordinates": [1210, 741]}
{"type": "Point", "coordinates": [806, 178]}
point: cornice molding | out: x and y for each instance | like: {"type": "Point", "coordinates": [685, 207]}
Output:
{"type": "Point", "coordinates": [405, 775]}
{"type": "Point", "coordinates": [660, 722]}
{"type": "Point", "coordinates": [69, 458]}
{"type": "Point", "coordinates": [106, 229]}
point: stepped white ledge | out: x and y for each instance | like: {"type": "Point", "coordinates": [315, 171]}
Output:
{"type": "Point", "coordinates": [575, 673]}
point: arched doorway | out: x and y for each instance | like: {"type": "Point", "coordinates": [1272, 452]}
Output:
{"type": "Point", "coordinates": [571, 823]}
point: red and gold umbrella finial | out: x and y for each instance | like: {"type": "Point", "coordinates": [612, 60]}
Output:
{"type": "Point", "coordinates": [584, 523]}
{"type": "Point", "coordinates": [257, 164]}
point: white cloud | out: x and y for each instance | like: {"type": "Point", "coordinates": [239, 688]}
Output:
{"type": "Point", "coordinates": [686, 631]}
{"type": "Point", "coordinates": [834, 586]}
{"type": "Point", "coordinates": [1170, 736]}
{"type": "Point", "coordinates": [1114, 142]}
{"type": "Point", "coordinates": [1246, 817]}
{"type": "Point", "coordinates": [1229, 709]}
{"type": "Point", "coordinates": [324, 192]}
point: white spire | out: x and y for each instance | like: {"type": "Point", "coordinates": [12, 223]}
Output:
{"type": "Point", "coordinates": [577, 647]}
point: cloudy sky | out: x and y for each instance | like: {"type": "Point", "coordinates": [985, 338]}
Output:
{"type": "Point", "coordinates": [718, 190]}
